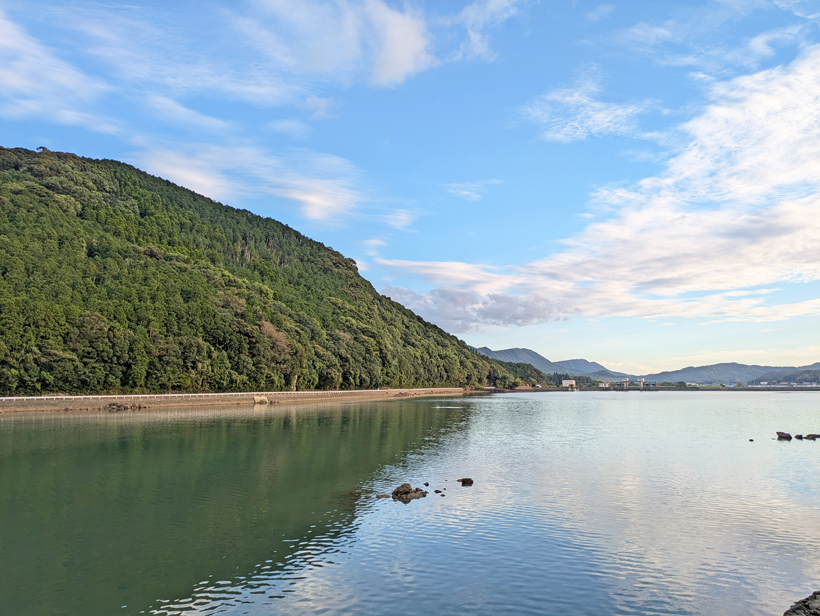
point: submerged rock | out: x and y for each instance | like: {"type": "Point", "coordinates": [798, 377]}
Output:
{"type": "Point", "coordinates": [382, 496]}
{"type": "Point", "coordinates": [114, 407]}
{"type": "Point", "coordinates": [810, 606]}
{"type": "Point", "coordinates": [784, 436]}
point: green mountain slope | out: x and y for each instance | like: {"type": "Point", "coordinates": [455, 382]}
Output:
{"type": "Point", "coordinates": [112, 280]}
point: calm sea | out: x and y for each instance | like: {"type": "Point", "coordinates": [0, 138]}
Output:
{"type": "Point", "coordinates": [583, 503]}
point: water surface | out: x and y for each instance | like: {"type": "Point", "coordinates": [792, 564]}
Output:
{"type": "Point", "coordinates": [606, 503]}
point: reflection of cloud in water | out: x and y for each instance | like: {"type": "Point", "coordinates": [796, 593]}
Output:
{"type": "Point", "coordinates": [675, 492]}
{"type": "Point", "coordinates": [628, 505]}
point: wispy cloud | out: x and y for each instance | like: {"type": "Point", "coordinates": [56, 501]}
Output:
{"type": "Point", "coordinates": [575, 113]}
{"type": "Point", "coordinates": [601, 12]}
{"type": "Point", "coordinates": [400, 219]}
{"type": "Point", "coordinates": [174, 111]}
{"type": "Point", "coordinates": [326, 188]}
{"type": "Point", "coordinates": [706, 40]}
{"type": "Point", "coordinates": [464, 310]}
{"type": "Point", "coordinates": [471, 191]}
{"type": "Point", "coordinates": [734, 212]}
{"type": "Point", "coordinates": [373, 245]}
{"type": "Point", "coordinates": [344, 40]}
{"type": "Point", "coordinates": [34, 82]}
{"type": "Point", "coordinates": [477, 19]}
{"type": "Point", "coordinates": [291, 127]}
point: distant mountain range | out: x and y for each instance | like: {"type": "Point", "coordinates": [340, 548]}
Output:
{"type": "Point", "coordinates": [574, 367]}
{"type": "Point", "coordinates": [727, 374]}
{"type": "Point", "coordinates": [715, 374]}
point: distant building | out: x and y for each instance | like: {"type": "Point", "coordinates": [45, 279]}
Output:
{"type": "Point", "coordinates": [622, 385]}
{"type": "Point", "coordinates": [568, 383]}
{"type": "Point", "coordinates": [603, 385]}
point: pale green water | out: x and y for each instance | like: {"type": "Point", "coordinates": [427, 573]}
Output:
{"type": "Point", "coordinates": [587, 503]}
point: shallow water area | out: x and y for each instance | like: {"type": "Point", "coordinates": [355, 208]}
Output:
{"type": "Point", "coordinates": [605, 503]}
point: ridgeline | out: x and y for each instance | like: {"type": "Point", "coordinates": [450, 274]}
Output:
{"type": "Point", "coordinates": [116, 281]}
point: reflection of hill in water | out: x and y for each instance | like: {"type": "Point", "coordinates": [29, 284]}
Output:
{"type": "Point", "coordinates": [101, 514]}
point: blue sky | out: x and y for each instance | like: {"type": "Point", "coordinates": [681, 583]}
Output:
{"type": "Point", "coordinates": [635, 183]}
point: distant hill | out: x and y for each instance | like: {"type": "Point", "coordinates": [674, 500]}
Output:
{"type": "Point", "coordinates": [580, 366]}
{"type": "Point", "coordinates": [809, 374]}
{"type": "Point", "coordinates": [574, 367]}
{"type": "Point", "coordinates": [525, 356]}
{"type": "Point", "coordinates": [716, 374]}
{"type": "Point", "coordinates": [589, 368]}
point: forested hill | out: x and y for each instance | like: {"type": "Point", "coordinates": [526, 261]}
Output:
{"type": "Point", "coordinates": [112, 280]}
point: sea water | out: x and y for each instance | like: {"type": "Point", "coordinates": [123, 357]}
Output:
{"type": "Point", "coordinates": [582, 503]}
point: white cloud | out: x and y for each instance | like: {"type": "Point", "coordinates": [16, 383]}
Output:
{"type": "Point", "coordinates": [404, 46]}
{"type": "Point", "coordinates": [734, 213]}
{"type": "Point", "coordinates": [572, 114]}
{"type": "Point", "coordinates": [471, 191]}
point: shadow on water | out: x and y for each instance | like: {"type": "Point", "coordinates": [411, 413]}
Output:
{"type": "Point", "coordinates": [125, 514]}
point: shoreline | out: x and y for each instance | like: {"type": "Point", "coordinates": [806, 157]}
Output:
{"type": "Point", "coordinates": [137, 402]}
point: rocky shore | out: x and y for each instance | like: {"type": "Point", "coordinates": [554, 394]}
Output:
{"type": "Point", "coordinates": [810, 606]}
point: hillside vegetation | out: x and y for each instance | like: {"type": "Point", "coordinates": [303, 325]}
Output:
{"type": "Point", "coordinates": [112, 280]}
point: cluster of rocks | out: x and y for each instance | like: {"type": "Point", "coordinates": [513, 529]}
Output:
{"type": "Point", "coordinates": [116, 407]}
{"type": "Point", "coordinates": [810, 606]}
{"type": "Point", "coordinates": [785, 436]}
{"type": "Point", "coordinates": [405, 492]}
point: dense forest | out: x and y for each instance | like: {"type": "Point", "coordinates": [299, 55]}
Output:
{"type": "Point", "coordinates": [112, 280]}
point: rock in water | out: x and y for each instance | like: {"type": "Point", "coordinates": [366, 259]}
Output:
{"type": "Point", "coordinates": [465, 481]}
{"type": "Point", "coordinates": [404, 488]}
{"type": "Point", "coordinates": [260, 400]}
{"type": "Point", "coordinates": [810, 606]}
{"type": "Point", "coordinates": [405, 493]}
{"type": "Point", "coordinates": [784, 436]}
{"type": "Point", "coordinates": [812, 437]}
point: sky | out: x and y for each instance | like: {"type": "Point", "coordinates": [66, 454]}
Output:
{"type": "Point", "coordinates": [635, 183]}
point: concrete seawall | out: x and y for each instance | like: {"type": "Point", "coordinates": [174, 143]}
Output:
{"type": "Point", "coordinates": [35, 404]}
